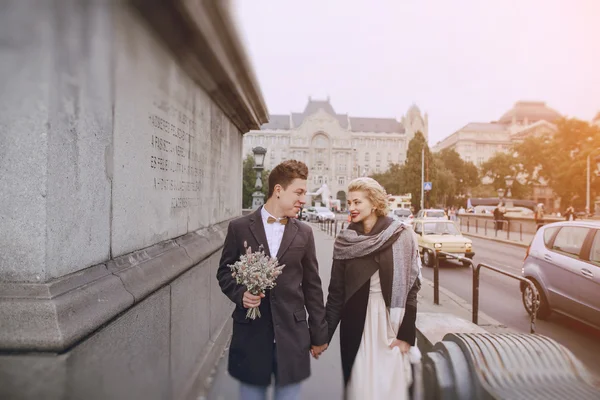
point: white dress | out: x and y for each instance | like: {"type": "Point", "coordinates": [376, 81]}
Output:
{"type": "Point", "coordinates": [379, 373]}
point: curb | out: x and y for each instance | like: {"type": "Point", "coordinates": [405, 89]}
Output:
{"type": "Point", "coordinates": [504, 241]}
{"type": "Point", "coordinates": [464, 304]}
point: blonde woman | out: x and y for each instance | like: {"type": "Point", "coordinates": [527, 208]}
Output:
{"type": "Point", "coordinates": [373, 296]}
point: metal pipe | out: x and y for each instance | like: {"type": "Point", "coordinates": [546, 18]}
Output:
{"type": "Point", "coordinates": [436, 278]}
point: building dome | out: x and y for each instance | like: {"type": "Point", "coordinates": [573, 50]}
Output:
{"type": "Point", "coordinates": [532, 111]}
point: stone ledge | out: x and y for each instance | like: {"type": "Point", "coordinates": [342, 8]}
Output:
{"type": "Point", "coordinates": [54, 316]}
{"type": "Point", "coordinates": [202, 37]}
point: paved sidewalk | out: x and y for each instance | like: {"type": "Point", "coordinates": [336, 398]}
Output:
{"type": "Point", "coordinates": [326, 379]}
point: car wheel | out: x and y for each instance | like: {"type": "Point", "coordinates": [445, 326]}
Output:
{"type": "Point", "coordinates": [427, 258]}
{"type": "Point", "coordinates": [544, 309]}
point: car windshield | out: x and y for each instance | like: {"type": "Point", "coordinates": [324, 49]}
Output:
{"type": "Point", "coordinates": [440, 228]}
{"type": "Point", "coordinates": [402, 213]}
{"type": "Point", "coordinates": [434, 214]}
{"type": "Point", "coordinates": [323, 209]}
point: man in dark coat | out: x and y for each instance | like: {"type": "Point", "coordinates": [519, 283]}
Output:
{"type": "Point", "coordinates": [280, 342]}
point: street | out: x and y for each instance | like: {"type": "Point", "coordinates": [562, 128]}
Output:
{"type": "Point", "coordinates": [500, 298]}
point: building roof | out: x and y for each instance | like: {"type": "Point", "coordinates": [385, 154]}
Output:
{"type": "Point", "coordinates": [484, 127]}
{"type": "Point", "coordinates": [277, 122]}
{"type": "Point", "coordinates": [386, 125]}
{"type": "Point", "coordinates": [533, 111]}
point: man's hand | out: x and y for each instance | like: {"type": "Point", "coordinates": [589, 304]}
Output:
{"type": "Point", "coordinates": [251, 301]}
{"type": "Point", "coordinates": [401, 344]}
{"type": "Point", "coordinates": [316, 351]}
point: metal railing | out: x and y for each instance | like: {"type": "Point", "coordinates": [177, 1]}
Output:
{"type": "Point", "coordinates": [331, 227]}
{"type": "Point", "coordinates": [476, 280]}
{"type": "Point", "coordinates": [505, 225]}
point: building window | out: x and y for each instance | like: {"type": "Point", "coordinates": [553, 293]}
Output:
{"type": "Point", "coordinates": [468, 158]}
{"type": "Point", "coordinates": [479, 161]}
{"type": "Point", "coordinates": [389, 158]}
{"type": "Point", "coordinates": [341, 180]}
{"type": "Point", "coordinates": [378, 157]}
{"type": "Point", "coordinates": [367, 157]}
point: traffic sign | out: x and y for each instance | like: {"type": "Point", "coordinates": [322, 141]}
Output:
{"type": "Point", "coordinates": [427, 185]}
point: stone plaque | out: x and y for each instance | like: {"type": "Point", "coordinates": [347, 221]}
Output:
{"type": "Point", "coordinates": [177, 158]}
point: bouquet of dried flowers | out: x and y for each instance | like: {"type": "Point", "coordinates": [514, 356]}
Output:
{"type": "Point", "coordinates": [257, 272]}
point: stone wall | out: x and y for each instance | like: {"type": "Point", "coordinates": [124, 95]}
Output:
{"type": "Point", "coordinates": [120, 167]}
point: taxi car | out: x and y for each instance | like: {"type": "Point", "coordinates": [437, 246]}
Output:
{"type": "Point", "coordinates": [441, 235]}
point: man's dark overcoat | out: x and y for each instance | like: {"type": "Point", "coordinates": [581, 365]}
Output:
{"type": "Point", "coordinates": [283, 310]}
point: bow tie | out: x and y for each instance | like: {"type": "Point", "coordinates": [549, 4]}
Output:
{"type": "Point", "coordinates": [282, 221]}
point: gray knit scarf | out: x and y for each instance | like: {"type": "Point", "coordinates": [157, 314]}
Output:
{"type": "Point", "coordinates": [407, 262]}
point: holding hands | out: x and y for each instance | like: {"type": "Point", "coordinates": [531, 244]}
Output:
{"type": "Point", "coordinates": [316, 351]}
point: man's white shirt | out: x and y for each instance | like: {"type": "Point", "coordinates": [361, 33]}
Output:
{"type": "Point", "coordinates": [274, 232]}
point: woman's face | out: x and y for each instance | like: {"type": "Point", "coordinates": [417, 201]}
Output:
{"type": "Point", "coordinates": [359, 205]}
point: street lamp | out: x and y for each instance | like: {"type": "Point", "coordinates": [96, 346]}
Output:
{"type": "Point", "coordinates": [258, 197]}
{"type": "Point", "coordinates": [509, 180]}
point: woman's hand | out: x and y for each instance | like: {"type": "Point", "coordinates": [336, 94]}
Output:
{"type": "Point", "coordinates": [400, 344]}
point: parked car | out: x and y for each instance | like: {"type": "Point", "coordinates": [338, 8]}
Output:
{"type": "Point", "coordinates": [432, 213]}
{"type": "Point", "coordinates": [441, 235]}
{"type": "Point", "coordinates": [319, 214]}
{"type": "Point", "coordinates": [563, 262]}
{"type": "Point", "coordinates": [402, 214]}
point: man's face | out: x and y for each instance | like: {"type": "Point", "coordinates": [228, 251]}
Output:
{"type": "Point", "coordinates": [291, 199]}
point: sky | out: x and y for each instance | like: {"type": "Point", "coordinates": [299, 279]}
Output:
{"type": "Point", "coordinates": [460, 61]}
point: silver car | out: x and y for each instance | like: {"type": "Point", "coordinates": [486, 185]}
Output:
{"type": "Point", "coordinates": [402, 214]}
{"type": "Point", "coordinates": [563, 261]}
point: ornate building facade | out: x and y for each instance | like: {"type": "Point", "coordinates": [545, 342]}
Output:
{"type": "Point", "coordinates": [479, 141]}
{"type": "Point", "coordinates": [336, 147]}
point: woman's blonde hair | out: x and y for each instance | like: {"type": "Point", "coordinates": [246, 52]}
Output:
{"type": "Point", "coordinates": [375, 193]}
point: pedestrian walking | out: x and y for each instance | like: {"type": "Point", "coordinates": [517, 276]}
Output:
{"type": "Point", "coordinates": [539, 216]}
{"type": "Point", "coordinates": [279, 343]}
{"type": "Point", "coordinates": [570, 213]}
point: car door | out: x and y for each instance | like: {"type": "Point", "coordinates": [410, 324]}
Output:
{"type": "Point", "coordinates": [563, 269]}
{"type": "Point", "coordinates": [419, 232]}
{"type": "Point", "coordinates": [588, 281]}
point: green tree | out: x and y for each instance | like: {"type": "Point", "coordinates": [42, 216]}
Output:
{"type": "Point", "coordinates": [249, 181]}
{"type": "Point", "coordinates": [455, 178]}
{"type": "Point", "coordinates": [500, 166]}
{"type": "Point", "coordinates": [412, 169]}
{"type": "Point", "coordinates": [392, 180]}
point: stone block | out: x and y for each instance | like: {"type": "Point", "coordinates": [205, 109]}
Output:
{"type": "Point", "coordinates": [190, 326]}
{"type": "Point", "coordinates": [33, 376]}
{"type": "Point", "coordinates": [165, 147]}
{"type": "Point", "coordinates": [146, 270]}
{"type": "Point", "coordinates": [56, 124]}
{"type": "Point", "coordinates": [70, 309]}
{"type": "Point", "coordinates": [220, 305]}
{"type": "Point", "coordinates": [128, 359]}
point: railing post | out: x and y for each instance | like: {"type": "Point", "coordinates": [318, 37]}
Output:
{"type": "Point", "coordinates": [520, 231]}
{"type": "Point", "coordinates": [436, 278]}
{"type": "Point", "coordinates": [476, 294]}
{"type": "Point", "coordinates": [468, 224]}
{"type": "Point", "coordinates": [508, 230]}
{"type": "Point", "coordinates": [476, 225]}
{"type": "Point", "coordinates": [485, 227]}
{"type": "Point", "coordinates": [335, 230]}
